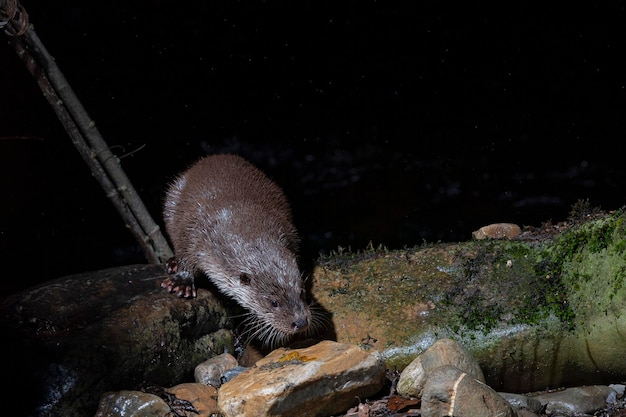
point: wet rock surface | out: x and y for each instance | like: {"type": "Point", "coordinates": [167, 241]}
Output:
{"type": "Point", "coordinates": [449, 391]}
{"type": "Point", "coordinates": [578, 400]}
{"type": "Point", "coordinates": [213, 371]}
{"type": "Point", "coordinates": [324, 379]}
{"type": "Point", "coordinates": [127, 403]}
{"type": "Point", "coordinates": [442, 352]}
{"type": "Point", "coordinates": [78, 336]}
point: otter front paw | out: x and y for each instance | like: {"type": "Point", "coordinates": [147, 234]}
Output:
{"type": "Point", "coordinates": [181, 285]}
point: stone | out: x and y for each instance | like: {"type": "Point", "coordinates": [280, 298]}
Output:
{"type": "Point", "coordinates": [497, 231]}
{"type": "Point", "coordinates": [210, 372]}
{"type": "Point", "coordinates": [619, 389]}
{"type": "Point", "coordinates": [131, 403]}
{"type": "Point", "coordinates": [525, 413]}
{"type": "Point", "coordinates": [79, 336]}
{"type": "Point", "coordinates": [522, 402]}
{"type": "Point", "coordinates": [448, 391]}
{"type": "Point", "coordinates": [202, 397]}
{"type": "Point", "coordinates": [528, 328]}
{"type": "Point", "coordinates": [321, 380]}
{"type": "Point", "coordinates": [232, 372]}
{"type": "Point", "coordinates": [442, 352]}
{"type": "Point", "coordinates": [577, 400]}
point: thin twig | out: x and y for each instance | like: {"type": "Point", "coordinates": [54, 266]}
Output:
{"type": "Point", "coordinates": [104, 165]}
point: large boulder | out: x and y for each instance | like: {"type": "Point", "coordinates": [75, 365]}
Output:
{"type": "Point", "coordinates": [74, 338]}
{"type": "Point", "coordinates": [546, 308]}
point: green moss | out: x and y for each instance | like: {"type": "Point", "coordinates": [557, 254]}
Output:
{"type": "Point", "coordinates": [501, 268]}
{"type": "Point", "coordinates": [585, 267]}
{"type": "Point", "coordinates": [595, 236]}
{"type": "Point", "coordinates": [487, 273]}
{"type": "Point", "coordinates": [618, 283]}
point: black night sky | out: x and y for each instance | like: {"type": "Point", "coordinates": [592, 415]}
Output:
{"type": "Point", "coordinates": [386, 122]}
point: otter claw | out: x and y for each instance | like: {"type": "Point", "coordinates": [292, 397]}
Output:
{"type": "Point", "coordinates": [171, 265]}
{"type": "Point", "coordinates": [180, 287]}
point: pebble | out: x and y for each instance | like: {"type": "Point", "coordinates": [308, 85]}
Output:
{"type": "Point", "coordinates": [442, 352]}
{"type": "Point", "coordinates": [189, 397]}
{"type": "Point", "coordinates": [522, 402]}
{"type": "Point", "coordinates": [131, 403]}
{"type": "Point", "coordinates": [210, 372]}
{"type": "Point", "coordinates": [203, 398]}
{"type": "Point", "coordinates": [451, 392]}
{"type": "Point", "coordinates": [497, 231]}
{"type": "Point", "coordinates": [577, 400]}
{"type": "Point", "coordinates": [619, 389]}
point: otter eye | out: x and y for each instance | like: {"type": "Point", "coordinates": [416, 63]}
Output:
{"type": "Point", "coordinates": [275, 304]}
{"type": "Point", "coordinates": [245, 279]}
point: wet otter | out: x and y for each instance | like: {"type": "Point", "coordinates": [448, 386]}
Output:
{"type": "Point", "coordinates": [229, 221]}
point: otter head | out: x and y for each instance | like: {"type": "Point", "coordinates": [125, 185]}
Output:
{"type": "Point", "coordinates": [263, 277]}
{"type": "Point", "coordinates": [273, 292]}
{"type": "Point", "coordinates": [278, 309]}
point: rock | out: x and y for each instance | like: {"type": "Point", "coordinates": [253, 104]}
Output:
{"type": "Point", "coordinates": [442, 352]}
{"type": "Point", "coordinates": [619, 389]}
{"type": "Point", "coordinates": [196, 399]}
{"type": "Point", "coordinates": [498, 231]}
{"type": "Point", "coordinates": [232, 372]}
{"type": "Point", "coordinates": [449, 391]}
{"type": "Point", "coordinates": [131, 403]}
{"type": "Point", "coordinates": [576, 401]}
{"type": "Point", "coordinates": [522, 402]}
{"type": "Point", "coordinates": [79, 336]}
{"type": "Point", "coordinates": [321, 380]}
{"type": "Point", "coordinates": [202, 397]}
{"type": "Point", "coordinates": [525, 413]}
{"type": "Point", "coordinates": [210, 372]}
{"type": "Point", "coordinates": [529, 323]}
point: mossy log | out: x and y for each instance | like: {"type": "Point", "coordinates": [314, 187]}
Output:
{"type": "Point", "coordinates": [545, 309]}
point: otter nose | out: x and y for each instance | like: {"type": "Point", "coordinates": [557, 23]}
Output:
{"type": "Point", "coordinates": [300, 324]}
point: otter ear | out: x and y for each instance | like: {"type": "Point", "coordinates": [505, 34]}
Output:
{"type": "Point", "coordinates": [244, 278]}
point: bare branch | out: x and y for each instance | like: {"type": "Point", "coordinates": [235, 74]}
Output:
{"type": "Point", "coordinates": [104, 165]}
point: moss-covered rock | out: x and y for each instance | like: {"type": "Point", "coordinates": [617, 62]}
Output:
{"type": "Point", "coordinates": [543, 310]}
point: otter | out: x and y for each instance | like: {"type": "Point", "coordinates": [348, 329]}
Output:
{"type": "Point", "coordinates": [227, 220]}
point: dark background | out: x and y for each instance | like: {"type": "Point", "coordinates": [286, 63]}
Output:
{"type": "Point", "coordinates": [394, 123]}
